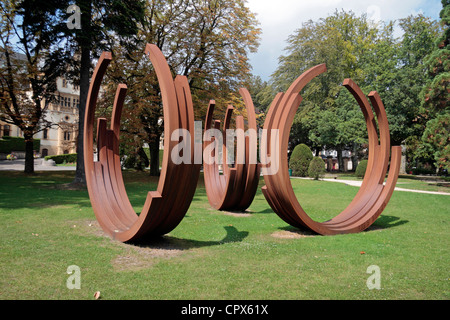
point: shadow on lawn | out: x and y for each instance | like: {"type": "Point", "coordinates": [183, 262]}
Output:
{"type": "Point", "coordinates": [385, 222]}
{"type": "Point", "coordinates": [172, 243]}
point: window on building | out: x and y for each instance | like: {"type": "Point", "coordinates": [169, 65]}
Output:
{"type": "Point", "coordinates": [45, 134]}
{"type": "Point", "coordinates": [64, 83]}
{"type": "Point", "coordinates": [44, 152]}
{"type": "Point", "coordinates": [6, 130]}
{"type": "Point", "coordinates": [67, 135]}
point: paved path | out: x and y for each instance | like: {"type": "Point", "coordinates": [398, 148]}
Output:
{"type": "Point", "coordinates": [19, 165]}
{"type": "Point", "coordinates": [357, 183]}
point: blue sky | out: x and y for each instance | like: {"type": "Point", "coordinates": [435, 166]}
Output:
{"type": "Point", "coordinates": [280, 18]}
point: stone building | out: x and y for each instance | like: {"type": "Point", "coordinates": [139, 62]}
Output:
{"type": "Point", "coordinates": [61, 137]}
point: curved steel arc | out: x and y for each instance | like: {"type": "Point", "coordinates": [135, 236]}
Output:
{"type": "Point", "coordinates": [236, 188]}
{"type": "Point", "coordinates": [373, 194]}
{"type": "Point", "coordinates": [164, 208]}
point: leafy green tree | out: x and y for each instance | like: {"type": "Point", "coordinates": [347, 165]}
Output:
{"type": "Point", "coordinates": [103, 23]}
{"type": "Point", "coordinates": [31, 59]}
{"type": "Point", "coordinates": [207, 41]}
{"type": "Point", "coordinates": [401, 96]}
{"type": "Point", "coordinates": [435, 96]}
{"type": "Point", "coordinates": [371, 56]}
{"type": "Point", "coordinates": [436, 138]}
{"type": "Point", "coordinates": [344, 42]}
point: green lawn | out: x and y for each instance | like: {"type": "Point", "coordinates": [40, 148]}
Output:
{"type": "Point", "coordinates": [218, 255]}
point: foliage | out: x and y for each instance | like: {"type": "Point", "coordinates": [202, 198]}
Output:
{"type": "Point", "coordinates": [9, 144]}
{"type": "Point", "coordinates": [316, 168]}
{"type": "Point", "coordinates": [104, 23]}
{"type": "Point", "coordinates": [437, 138]}
{"type": "Point", "coordinates": [31, 49]}
{"type": "Point", "coordinates": [435, 106]}
{"type": "Point", "coordinates": [374, 58]}
{"type": "Point", "coordinates": [299, 161]}
{"type": "Point", "coordinates": [63, 158]}
{"type": "Point", "coordinates": [361, 169]}
{"type": "Point", "coordinates": [206, 41]}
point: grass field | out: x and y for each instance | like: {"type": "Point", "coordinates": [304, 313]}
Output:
{"type": "Point", "coordinates": [218, 255]}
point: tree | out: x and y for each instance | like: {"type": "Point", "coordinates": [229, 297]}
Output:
{"type": "Point", "coordinates": [103, 23]}
{"type": "Point", "coordinates": [32, 58]}
{"type": "Point", "coordinates": [401, 95]}
{"type": "Point", "coordinates": [206, 41]}
{"type": "Point", "coordinates": [344, 42]}
{"type": "Point", "coordinates": [435, 96]}
{"type": "Point", "coordinates": [351, 48]}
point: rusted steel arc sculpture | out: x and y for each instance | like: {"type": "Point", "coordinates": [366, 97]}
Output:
{"type": "Point", "coordinates": [164, 208]}
{"type": "Point", "coordinates": [373, 195]}
{"type": "Point", "coordinates": [236, 188]}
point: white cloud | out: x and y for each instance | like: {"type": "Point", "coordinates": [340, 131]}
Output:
{"type": "Point", "coordinates": [280, 18]}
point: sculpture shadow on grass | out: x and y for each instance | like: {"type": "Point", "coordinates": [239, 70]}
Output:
{"type": "Point", "coordinates": [167, 242]}
{"type": "Point", "coordinates": [386, 222]}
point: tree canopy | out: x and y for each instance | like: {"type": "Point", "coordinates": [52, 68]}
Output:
{"type": "Point", "coordinates": [375, 59]}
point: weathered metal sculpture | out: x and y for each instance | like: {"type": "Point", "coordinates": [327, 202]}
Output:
{"type": "Point", "coordinates": [236, 188]}
{"type": "Point", "coordinates": [373, 195]}
{"type": "Point", "coordinates": [163, 209]}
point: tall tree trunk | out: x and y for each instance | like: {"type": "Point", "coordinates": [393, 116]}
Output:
{"type": "Point", "coordinates": [340, 159]}
{"type": "Point", "coordinates": [154, 157]}
{"type": "Point", "coordinates": [29, 153]}
{"type": "Point", "coordinates": [354, 157]}
{"type": "Point", "coordinates": [85, 44]}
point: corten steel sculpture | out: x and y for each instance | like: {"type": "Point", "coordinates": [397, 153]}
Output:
{"type": "Point", "coordinates": [373, 195]}
{"type": "Point", "coordinates": [163, 209]}
{"type": "Point", "coordinates": [236, 188]}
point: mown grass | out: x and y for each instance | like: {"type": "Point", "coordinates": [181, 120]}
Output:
{"type": "Point", "coordinates": [218, 255]}
{"type": "Point", "coordinates": [430, 183]}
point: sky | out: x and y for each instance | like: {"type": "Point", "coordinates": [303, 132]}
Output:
{"type": "Point", "coordinates": [280, 18]}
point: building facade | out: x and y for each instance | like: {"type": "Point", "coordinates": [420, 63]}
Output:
{"type": "Point", "coordinates": [61, 137]}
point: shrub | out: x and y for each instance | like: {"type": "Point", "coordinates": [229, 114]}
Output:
{"type": "Point", "coordinates": [361, 169]}
{"type": "Point", "coordinates": [300, 159]}
{"type": "Point", "coordinates": [9, 144]}
{"type": "Point", "coordinates": [316, 168]}
{"type": "Point", "coordinates": [61, 158]}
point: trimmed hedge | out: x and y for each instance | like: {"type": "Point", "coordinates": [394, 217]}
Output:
{"type": "Point", "coordinates": [361, 169]}
{"type": "Point", "coordinates": [316, 168]}
{"type": "Point", "coordinates": [61, 158]}
{"type": "Point", "coordinates": [10, 144]}
{"type": "Point", "coordinates": [300, 158]}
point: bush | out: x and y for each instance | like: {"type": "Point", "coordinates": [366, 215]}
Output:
{"type": "Point", "coordinates": [316, 168]}
{"type": "Point", "coordinates": [300, 159]}
{"type": "Point", "coordinates": [67, 158]}
{"type": "Point", "coordinates": [361, 169]}
{"type": "Point", "coordinates": [9, 144]}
